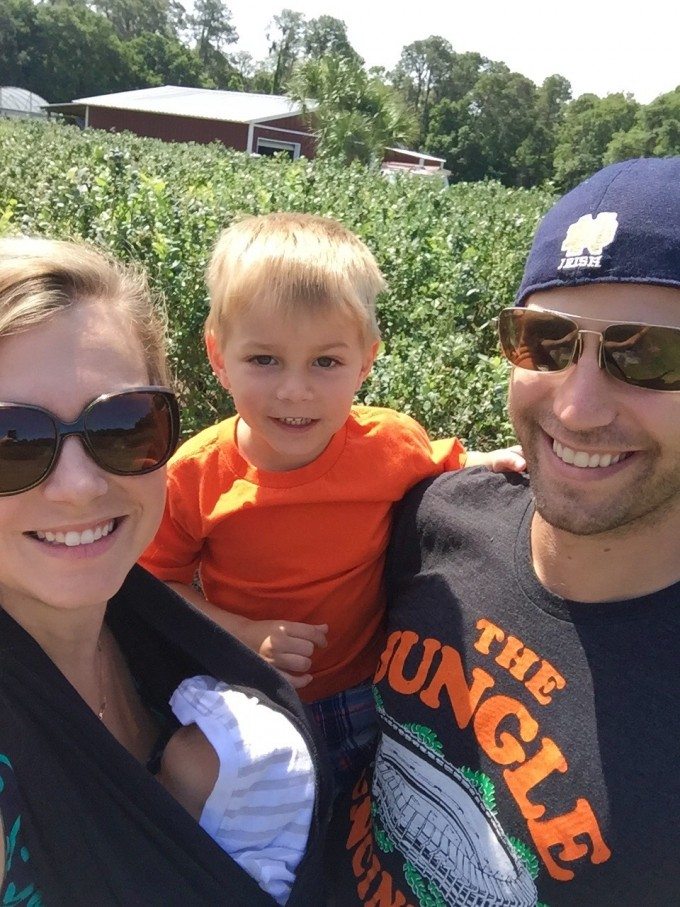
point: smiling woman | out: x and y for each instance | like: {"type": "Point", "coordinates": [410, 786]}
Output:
{"type": "Point", "coordinates": [92, 647]}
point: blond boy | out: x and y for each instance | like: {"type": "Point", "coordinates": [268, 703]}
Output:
{"type": "Point", "coordinates": [285, 509]}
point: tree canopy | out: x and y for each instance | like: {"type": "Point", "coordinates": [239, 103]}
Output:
{"type": "Point", "coordinates": [487, 121]}
{"type": "Point", "coordinates": [356, 115]}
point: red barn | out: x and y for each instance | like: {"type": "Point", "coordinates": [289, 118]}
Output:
{"type": "Point", "coordinates": [257, 123]}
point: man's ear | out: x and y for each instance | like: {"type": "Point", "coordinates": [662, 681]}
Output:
{"type": "Point", "coordinates": [216, 359]}
{"type": "Point", "coordinates": [367, 364]}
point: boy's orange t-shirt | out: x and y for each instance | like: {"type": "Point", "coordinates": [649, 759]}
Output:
{"type": "Point", "coordinates": [305, 545]}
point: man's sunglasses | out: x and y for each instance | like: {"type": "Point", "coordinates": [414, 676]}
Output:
{"type": "Point", "coordinates": [128, 434]}
{"type": "Point", "coordinates": [643, 355]}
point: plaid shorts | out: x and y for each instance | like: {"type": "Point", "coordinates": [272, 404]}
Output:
{"type": "Point", "coordinates": [349, 724]}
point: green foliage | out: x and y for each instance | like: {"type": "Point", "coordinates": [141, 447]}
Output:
{"type": "Point", "coordinates": [135, 17]}
{"type": "Point", "coordinates": [61, 51]}
{"type": "Point", "coordinates": [328, 35]}
{"type": "Point", "coordinates": [286, 36]}
{"type": "Point", "coordinates": [382, 839]}
{"type": "Point", "coordinates": [67, 50]}
{"type": "Point", "coordinates": [452, 257]}
{"type": "Point", "coordinates": [356, 116]}
{"type": "Point", "coordinates": [426, 736]}
{"type": "Point", "coordinates": [484, 785]}
{"type": "Point", "coordinates": [526, 855]}
{"type": "Point", "coordinates": [430, 70]}
{"type": "Point", "coordinates": [156, 59]}
{"type": "Point", "coordinates": [533, 158]}
{"type": "Point", "coordinates": [421, 69]}
{"type": "Point", "coordinates": [293, 39]}
{"type": "Point", "coordinates": [655, 132]}
{"type": "Point", "coordinates": [589, 125]}
{"type": "Point", "coordinates": [489, 132]}
{"type": "Point", "coordinates": [486, 121]}
{"type": "Point", "coordinates": [428, 893]}
{"type": "Point", "coordinates": [211, 26]}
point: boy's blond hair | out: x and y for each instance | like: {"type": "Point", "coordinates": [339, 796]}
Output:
{"type": "Point", "coordinates": [40, 277]}
{"type": "Point", "coordinates": [291, 262]}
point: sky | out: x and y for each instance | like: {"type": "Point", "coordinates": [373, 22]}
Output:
{"type": "Point", "coordinates": [600, 46]}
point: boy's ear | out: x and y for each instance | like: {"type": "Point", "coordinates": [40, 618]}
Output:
{"type": "Point", "coordinates": [216, 359]}
{"type": "Point", "coordinates": [367, 364]}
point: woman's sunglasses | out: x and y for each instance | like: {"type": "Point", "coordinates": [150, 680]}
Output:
{"type": "Point", "coordinates": [128, 434]}
{"type": "Point", "coordinates": [643, 355]}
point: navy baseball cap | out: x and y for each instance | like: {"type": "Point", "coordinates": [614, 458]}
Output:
{"type": "Point", "coordinates": [622, 225]}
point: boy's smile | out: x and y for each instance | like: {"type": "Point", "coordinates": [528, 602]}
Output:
{"type": "Point", "coordinates": [293, 379]}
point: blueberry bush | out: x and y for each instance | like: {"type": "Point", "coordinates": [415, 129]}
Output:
{"type": "Point", "coordinates": [452, 256]}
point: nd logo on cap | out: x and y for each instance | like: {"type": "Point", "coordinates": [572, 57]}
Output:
{"type": "Point", "coordinates": [589, 234]}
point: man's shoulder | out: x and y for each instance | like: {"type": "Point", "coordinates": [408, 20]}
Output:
{"type": "Point", "coordinates": [476, 491]}
{"type": "Point", "coordinates": [478, 482]}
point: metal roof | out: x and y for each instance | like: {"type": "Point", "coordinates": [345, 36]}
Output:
{"type": "Point", "coordinates": [21, 101]}
{"type": "Point", "coordinates": [418, 155]}
{"type": "Point", "coordinates": [203, 103]}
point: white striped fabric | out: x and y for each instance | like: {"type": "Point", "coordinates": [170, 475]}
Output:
{"type": "Point", "coordinates": [260, 809]}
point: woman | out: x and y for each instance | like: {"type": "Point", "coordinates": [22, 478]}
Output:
{"type": "Point", "coordinates": [91, 647]}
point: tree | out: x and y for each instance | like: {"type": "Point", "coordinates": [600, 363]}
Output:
{"type": "Point", "coordinates": [654, 133]}
{"type": "Point", "coordinates": [243, 64]}
{"type": "Point", "coordinates": [68, 51]}
{"type": "Point", "coordinates": [589, 125]}
{"type": "Point", "coordinates": [462, 77]}
{"type": "Point", "coordinates": [211, 27]}
{"type": "Point", "coordinates": [285, 35]}
{"type": "Point", "coordinates": [328, 35]}
{"type": "Point", "coordinates": [63, 50]}
{"type": "Point", "coordinates": [553, 97]}
{"type": "Point", "coordinates": [420, 70]}
{"type": "Point", "coordinates": [261, 80]}
{"type": "Point", "coordinates": [487, 128]}
{"type": "Point", "coordinates": [161, 60]}
{"type": "Point", "coordinates": [17, 30]}
{"type": "Point", "coordinates": [534, 157]}
{"type": "Point", "coordinates": [456, 135]}
{"type": "Point", "coordinates": [356, 116]}
{"type": "Point", "coordinates": [131, 18]}
{"type": "Point", "coordinates": [430, 71]}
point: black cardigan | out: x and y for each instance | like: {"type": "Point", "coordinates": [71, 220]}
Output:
{"type": "Point", "coordinates": [99, 828]}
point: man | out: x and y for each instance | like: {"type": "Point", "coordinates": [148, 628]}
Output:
{"type": "Point", "coordinates": [530, 734]}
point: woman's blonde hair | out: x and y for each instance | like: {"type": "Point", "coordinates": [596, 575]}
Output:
{"type": "Point", "coordinates": [39, 277]}
{"type": "Point", "coordinates": [290, 263]}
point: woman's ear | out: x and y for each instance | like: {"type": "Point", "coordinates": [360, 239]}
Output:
{"type": "Point", "coordinates": [216, 359]}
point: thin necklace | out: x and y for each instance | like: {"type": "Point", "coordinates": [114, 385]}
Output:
{"type": "Point", "coordinates": [102, 693]}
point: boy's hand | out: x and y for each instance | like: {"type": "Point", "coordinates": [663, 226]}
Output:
{"type": "Point", "coordinates": [510, 459]}
{"type": "Point", "coordinates": [287, 645]}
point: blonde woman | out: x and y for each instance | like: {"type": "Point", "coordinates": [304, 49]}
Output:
{"type": "Point", "coordinates": [92, 648]}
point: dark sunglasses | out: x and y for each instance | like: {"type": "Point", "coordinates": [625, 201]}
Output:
{"type": "Point", "coordinates": [128, 434]}
{"type": "Point", "coordinates": [643, 355]}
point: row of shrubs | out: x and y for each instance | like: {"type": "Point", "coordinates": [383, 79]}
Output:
{"type": "Point", "coordinates": [451, 256]}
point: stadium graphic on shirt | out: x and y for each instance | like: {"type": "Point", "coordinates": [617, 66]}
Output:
{"type": "Point", "coordinates": [445, 830]}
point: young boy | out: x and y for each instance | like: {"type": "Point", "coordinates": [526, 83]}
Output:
{"type": "Point", "coordinates": [285, 509]}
